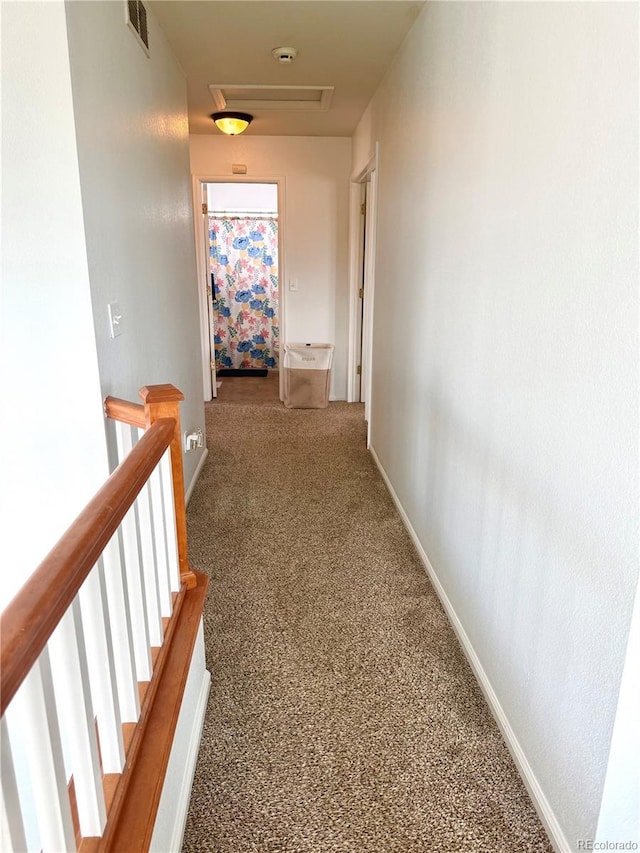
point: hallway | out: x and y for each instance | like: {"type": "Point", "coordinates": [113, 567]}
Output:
{"type": "Point", "coordinates": [342, 715]}
{"type": "Point", "coordinates": [258, 390]}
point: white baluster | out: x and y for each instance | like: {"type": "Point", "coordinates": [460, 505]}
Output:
{"type": "Point", "coordinates": [18, 734]}
{"type": "Point", "coordinates": [35, 705]}
{"type": "Point", "coordinates": [115, 587]}
{"type": "Point", "coordinates": [69, 665]}
{"type": "Point", "coordinates": [100, 659]}
{"type": "Point", "coordinates": [160, 531]}
{"type": "Point", "coordinates": [144, 509]}
{"type": "Point", "coordinates": [170, 520]}
{"type": "Point", "coordinates": [135, 579]}
{"type": "Point", "coordinates": [135, 589]}
{"type": "Point", "coordinates": [124, 440]}
{"type": "Point", "coordinates": [12, 834]}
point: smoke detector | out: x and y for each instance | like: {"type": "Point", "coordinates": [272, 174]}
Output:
{"type": "Point", "coordinates": [284, 55]}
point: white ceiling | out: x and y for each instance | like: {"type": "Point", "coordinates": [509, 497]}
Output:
{"type": "Point", "coordinates": [347, 44]}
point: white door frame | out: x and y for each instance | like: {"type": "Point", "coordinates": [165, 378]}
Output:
{"type": "Point", "coordinates": [202, 264]}
{"type": "Point", "coordinates": [367, 175]}
{"type": "Point", "coordinates": [355, 278]}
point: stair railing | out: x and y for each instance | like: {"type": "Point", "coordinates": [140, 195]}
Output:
{"type": "Point", "coordinates": [96, 649]}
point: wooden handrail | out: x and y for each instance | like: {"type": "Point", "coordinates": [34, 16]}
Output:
{"type": "Point", "coordinates": [32, 616]}
{"type": "Point", "coordinates": [161, 401]}
{"type": "Point", "coordinates": [125, 411]}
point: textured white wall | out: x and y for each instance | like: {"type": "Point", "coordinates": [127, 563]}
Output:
{"type": "Point", "coordinates": [52, 428]}
{"type": "Point", "coordinates": [505, 393]}
{"type": "Point", "coordinates": [132, 135]}
{"type": "Point", "coordinates": [316, 227]}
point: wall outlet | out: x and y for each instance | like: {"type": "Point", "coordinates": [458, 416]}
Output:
{"type": "Point", "coordinates": [193, 440]}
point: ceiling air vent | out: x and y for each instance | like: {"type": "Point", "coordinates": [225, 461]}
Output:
{"type": "Point", "coordinates": [137, 20]}
{"type": "Point", "coordinates": [239, 96]}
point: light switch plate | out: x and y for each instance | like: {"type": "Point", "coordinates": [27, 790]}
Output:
{"type": "Point", "coordinates": [293, 284]}
{"type": "Point", "coordinates": [115, 319]}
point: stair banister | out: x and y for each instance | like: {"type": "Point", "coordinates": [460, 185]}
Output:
{"type": "Point", "coordinates": [81, 610]}
{"type": "Point", "coordinates": [30, 619]}
{"type": "Point", "coordinates": [161, 401]}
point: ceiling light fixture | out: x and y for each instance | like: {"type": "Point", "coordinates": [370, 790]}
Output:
{"type": "Point", "coordinates": [232, 123]}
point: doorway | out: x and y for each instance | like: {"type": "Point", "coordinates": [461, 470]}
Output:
{"type": "Point", "coordinates": [241, 237]}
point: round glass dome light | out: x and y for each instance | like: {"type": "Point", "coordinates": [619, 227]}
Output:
{"type": "Point", "coordinates": [232, 123]}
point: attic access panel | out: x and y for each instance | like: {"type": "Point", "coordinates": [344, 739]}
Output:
{"type": "Point", "coordinates": [232, 96]}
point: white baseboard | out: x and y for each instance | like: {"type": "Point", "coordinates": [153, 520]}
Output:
{"type": "Point", "coordinates": [196, 474]}
{"type": "Point", "coordinates": [540, 802]}
{"type": "Point", "coordinates": [182, 806]}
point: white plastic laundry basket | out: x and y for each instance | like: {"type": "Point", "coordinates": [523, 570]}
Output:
{"type": "Point", "coordinates": [307, 375]}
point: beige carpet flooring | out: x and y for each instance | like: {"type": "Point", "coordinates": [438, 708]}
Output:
{"type": "Point", "coordinates": [343, 717]}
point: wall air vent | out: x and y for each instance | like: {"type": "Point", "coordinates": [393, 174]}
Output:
{"type": "Point", "coordinates": [137, 21]}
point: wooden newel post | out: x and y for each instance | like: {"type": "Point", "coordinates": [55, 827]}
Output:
{"type": "Point", "coordinates": [163, 401]}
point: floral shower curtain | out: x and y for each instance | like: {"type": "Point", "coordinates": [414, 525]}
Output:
{"type": "Point", "coordinates": [244, 273]}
